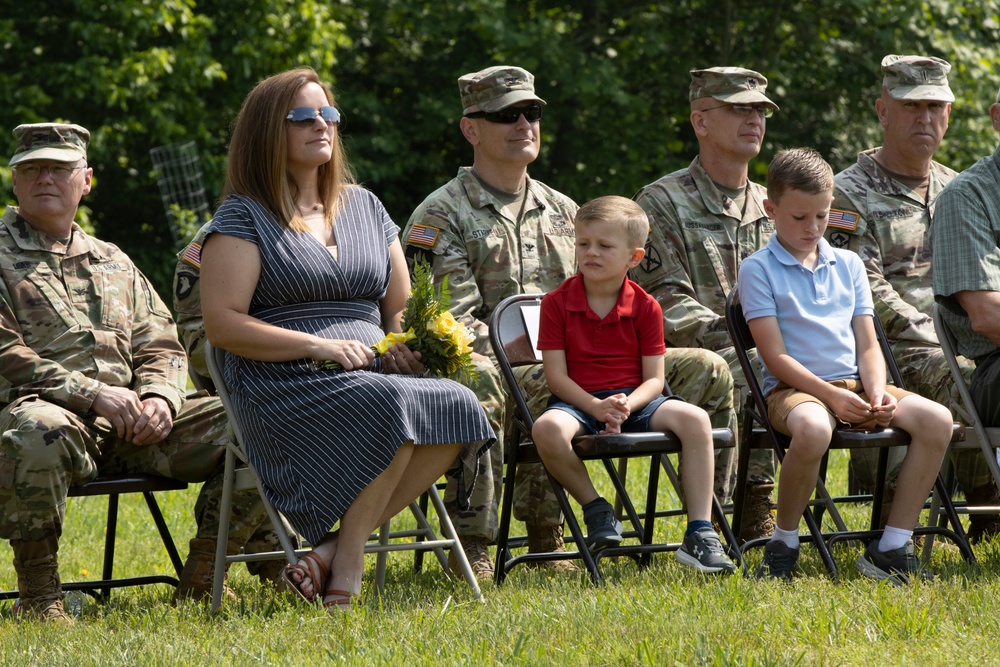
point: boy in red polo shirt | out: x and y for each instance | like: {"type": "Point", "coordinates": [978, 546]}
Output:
{"type": "Point", "coordinates": [601, 338]}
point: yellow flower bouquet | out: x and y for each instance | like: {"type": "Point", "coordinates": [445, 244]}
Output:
{"type": "Point", "coordinates": [444, 344]}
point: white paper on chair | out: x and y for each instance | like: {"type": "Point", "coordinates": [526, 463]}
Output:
{"type": "Point", "coordinates": [531, 314]}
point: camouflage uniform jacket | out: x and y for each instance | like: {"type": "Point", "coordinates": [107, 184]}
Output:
{"type": "Point", "coordinates": [486, 255]}
{"type": "Point", "coordinates": [886, 223]}
{"type": "Point", "coordinates": [76, 318]}
{"type": "Point", "coordinates": [697, 241]}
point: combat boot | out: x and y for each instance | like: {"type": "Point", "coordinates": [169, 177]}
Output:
{"type": "Point", "coordinates": [983, 527]}
{"type": "Point", "coordinates": [40, 589]}
{"type": "Point", "coordinates": [542, 539]}
{"type": "Point", "coordinates": [196, 578]}
{"type": "Point", "coordinates": [268, 571]}
{"type": "Point", "coordinates": [757, 518]}
{"type": "Point", "coordinates": [479, 558]}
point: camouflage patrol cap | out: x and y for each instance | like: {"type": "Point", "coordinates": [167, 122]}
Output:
{"type": "Point", "coordinates": [917, 78]}
{"type": "Point", "coordinates": [496, 88]}
{"type": "Point", "coordinates": [62, 142]}
{"type": "Point", "coordinates": [733, 85]}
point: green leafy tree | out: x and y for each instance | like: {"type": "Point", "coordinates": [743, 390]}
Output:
{"type": "Point", "coordinates": [145, 73]}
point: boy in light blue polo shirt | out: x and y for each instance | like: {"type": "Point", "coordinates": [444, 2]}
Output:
{"type": "Point", "coordinates": [810, 310]}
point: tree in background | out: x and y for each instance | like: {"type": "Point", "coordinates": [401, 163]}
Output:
{"type": "Point", "coordinates": [144, 73]}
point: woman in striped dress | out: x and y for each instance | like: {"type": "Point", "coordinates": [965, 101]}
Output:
{"type": "Point", "coordinates": [303, 265]}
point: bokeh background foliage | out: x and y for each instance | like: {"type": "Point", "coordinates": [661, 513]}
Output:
{"type": "Point", "coordinates": [146, 73]}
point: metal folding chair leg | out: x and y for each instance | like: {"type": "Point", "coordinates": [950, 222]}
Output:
{"type": "Point", "coordinates": [237, 479]}
{"type": "Point", "coordinates": [382, 557]}
{"type": "Point", "coordinates": [448, 528]}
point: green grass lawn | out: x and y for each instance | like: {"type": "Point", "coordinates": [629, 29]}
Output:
{"type": "Point", "coordinates": [665, 615]}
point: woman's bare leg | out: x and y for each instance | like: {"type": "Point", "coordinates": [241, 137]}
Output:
{"type": "Point", "coordinates": [410, 473]}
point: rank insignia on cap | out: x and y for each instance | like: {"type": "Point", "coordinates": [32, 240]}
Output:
{"type": "Point", "coordinates": [423, 235]}
{"type": "Point", "coordinates": [847, 220]}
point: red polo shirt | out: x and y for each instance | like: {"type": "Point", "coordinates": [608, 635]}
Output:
{"type": "Point", "coordinates": [602, 353]}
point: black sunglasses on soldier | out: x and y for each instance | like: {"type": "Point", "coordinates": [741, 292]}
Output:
{"type": "Point", "coordinates": [532, 113]}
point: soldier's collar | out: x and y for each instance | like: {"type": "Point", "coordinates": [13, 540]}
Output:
{"type": "Point", "coordinates": [479, 197]}
{"type": "Point", "coordinates": [715, 199]}
{"type": "Point", "coordinates": [885, 184]}
{"type": "Point", "coordinates": [30, 239]}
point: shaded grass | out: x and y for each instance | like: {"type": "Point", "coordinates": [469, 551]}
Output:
{"type": "Point", "coordinates": [665, 615]}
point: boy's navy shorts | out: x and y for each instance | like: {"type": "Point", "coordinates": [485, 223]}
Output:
{"type": "Point", "coordinates": [637, 422]}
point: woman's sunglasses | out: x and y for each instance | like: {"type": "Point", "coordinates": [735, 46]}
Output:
{"type": "Point", "coordinates": [306, 116]}
{"type": "Point", "coordinates": [531, 113]}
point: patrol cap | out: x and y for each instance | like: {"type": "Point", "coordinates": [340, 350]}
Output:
{"type": "Point", "coordinates": [732, 85]}
{"type": "Point", "coordinates": [496, 88]}
{"type": "Point", "coordinates": [63, 142]}
{"type": "Point", "coordinates": [917, 78]}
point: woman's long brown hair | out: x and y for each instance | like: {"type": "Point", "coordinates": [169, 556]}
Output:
{"type": "Point", "coordinates": [258, 151]}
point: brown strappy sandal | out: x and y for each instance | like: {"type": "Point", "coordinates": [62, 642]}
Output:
{"type": "Point", "coordinates": [311, 566]}
{"type": "Point", "coordinates": [343, 602]}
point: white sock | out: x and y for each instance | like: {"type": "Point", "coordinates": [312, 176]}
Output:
{"type": "Point", "coordinates": [894, 538]}
{"type": "Point", "coordinates": [789, 537]}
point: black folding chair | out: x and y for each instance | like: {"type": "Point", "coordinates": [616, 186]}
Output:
{"type": "Point", "coordinates": [758, 433]}
{"type": "Point", "coordinates": [113, 486]}
{"type": "Point", "coordinates": [511, 331]}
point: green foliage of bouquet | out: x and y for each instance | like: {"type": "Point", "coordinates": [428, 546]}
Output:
{"type": "Point", "coordinates": [444, 344]}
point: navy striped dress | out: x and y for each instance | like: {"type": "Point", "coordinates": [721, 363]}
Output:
{"type": "Point", "coordinates": [317, 438]}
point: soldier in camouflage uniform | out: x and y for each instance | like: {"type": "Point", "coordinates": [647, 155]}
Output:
{"type": "Point", "coordinates": [495, 232]}
{"type": "Point", "coordinates": [882, 208]}
{"type": "Point", "coordinates": [191, 327]}
{"type": "Point", "coordinates": [705, 219]}
{"type": "Point", "coordinates": [93, 377]}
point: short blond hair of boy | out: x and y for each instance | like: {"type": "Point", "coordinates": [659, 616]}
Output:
{"type": "Point", "coordinates": [798, 169]}
{"type": "Point", "coordinates": [619, 211]}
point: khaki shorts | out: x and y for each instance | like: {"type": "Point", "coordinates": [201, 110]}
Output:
{"type": "Point", "coordinates": [783, 398]}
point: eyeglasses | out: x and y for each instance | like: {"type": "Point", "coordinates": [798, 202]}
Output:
{"type": "Point", "coordinates": [745, 109]}
{"type": "Point", "coordinates": [58, 172]}
{"type": "Point", "coordinates": [306, 116]}
{"type": "Point", "coordinates": [532, 113]}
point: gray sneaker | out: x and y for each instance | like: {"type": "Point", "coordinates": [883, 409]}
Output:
{"type": "Point", "coordinates": [779, 561]}
{"type": "Point", "coordinates": [603, 529]}
{"type": "Point", "coordinates": [703, 551]}
{"type": "Point", "coordinates": [897, 566]}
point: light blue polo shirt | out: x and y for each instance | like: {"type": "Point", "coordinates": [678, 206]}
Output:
{"type": "Point", "coordinates": [814, 308]}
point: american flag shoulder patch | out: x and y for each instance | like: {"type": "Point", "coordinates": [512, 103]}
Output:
{"type": "Point", "coordinates": [423, 235]}
{"type": "Point", "coordinates": [846, 220]}
{"type": "Point", "coordinates": [192, 255]}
